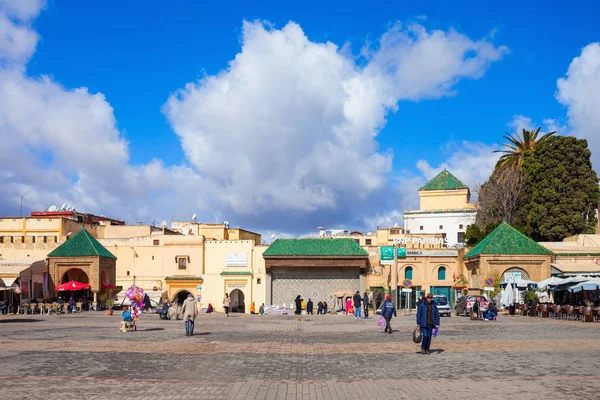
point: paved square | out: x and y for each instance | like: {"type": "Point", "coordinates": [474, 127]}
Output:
{"type": "Point", "coordinates": [318, 357]}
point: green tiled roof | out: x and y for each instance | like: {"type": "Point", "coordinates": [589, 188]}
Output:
{"type": "Point", "coordinates": [236, 273]}
{"type": "Point", "coordinates": [81, 244]}
{"type": "Point", "coordinates": [507, 240]}
{"type": "Point", "coordinates": [183, 278]}
{"type": "Point", "coordinates": [315, 247]}
{"type": "Point", "coordinates": [444, 181]}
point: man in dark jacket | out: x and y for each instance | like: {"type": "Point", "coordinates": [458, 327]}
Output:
{"type": "Point", "coordinates": [357, 304]}
{"type": "Point", "coordinates": [366, 304]}
{"type": "Point", "coordinates": [309, 307]}
{"type": "Point", "coordinates": [387, 311]}
{"type": "Point", "coordinates": [428, 318]}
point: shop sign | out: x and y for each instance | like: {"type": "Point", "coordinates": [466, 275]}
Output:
{"type": "Point", "coordinates": [386, 254]}
{"type": "Point", "coordinates": [235, 260]}
{"type": "Point", "coordinates": [432, 253]}
{"type": "Point", "coordinates": [420, 240]}
{"type": "Point", "coordinates": [511, 277]}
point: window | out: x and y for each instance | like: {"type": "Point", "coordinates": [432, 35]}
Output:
{"type": "Point", "coordinates": [1, 238]}
{"type": "Point", "coordinates": [33, 239]}
{"type": "Point", "coordinates": [460, 226]}
{"type": "Point", "coordinates": [441, 273]}
{"type": "Point", "coordinates": [408, 273]}
{"type": "Point", "coordinates": [357, 241]}
{"type": "Point", "coordinates": [395, 231]}
{"type": "Point", "coordinates": [156, 242]}
{"type": "Point", "coordinates": [421, 228]}
{"type": "Point", "coordinates": [127, 273]}
{"type": "Point", "coordinates": [182, 263]}
{"type": "Point", "coordinates": [258, 281]}
{"type": "Point", "coordinates": [441, 226]}
{"type": "Point", "coordinates": [152, 257]}
{"type": "Point", "coordinates": [45, 239]}
{"type": "Point", "coordinates": [460, 238]}
{"type": "Point", "coordinates": [368, 242]}
{"type": "Point", "coordinates": [12, 239]}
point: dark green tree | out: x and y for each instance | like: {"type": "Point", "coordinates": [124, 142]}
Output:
{"type": "Point", "coordinates": [561, 194]}
{"type": "Point", "coordinates": [474, 234]}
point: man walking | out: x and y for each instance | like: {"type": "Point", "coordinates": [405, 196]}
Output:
{"type": "Point", "coordinates": [189, 312]}
{"type": "Point", "coordinates": [366, 305]}
{"type": "Point", "coordinates": [428, 318]}
{"type": "Point", "coordinates": [357, 304]}
{"type": "Point", "coordinates": [387, 311]}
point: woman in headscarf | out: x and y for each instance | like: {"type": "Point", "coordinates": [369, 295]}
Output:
{"type": "Point", "coordinates": [298, 302]}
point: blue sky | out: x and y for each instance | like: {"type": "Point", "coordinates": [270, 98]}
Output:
{"type": "Point", "coordinates": [137, 54]}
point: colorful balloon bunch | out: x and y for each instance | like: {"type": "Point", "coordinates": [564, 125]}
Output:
{"type": "Point", "coordinates": [135, 295]}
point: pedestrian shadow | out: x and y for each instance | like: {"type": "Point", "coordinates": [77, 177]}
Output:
{"type": "Point", "coordinates": [438, 351]}
{"type": "Point", "coordinates": [201, 334]}
{"type": "Point", "coordinates": [8, 321]}
{"type": "Point", "coordinates": [152, 329]}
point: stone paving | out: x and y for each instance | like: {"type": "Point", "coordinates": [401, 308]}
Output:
{"type": "Point", "coordinates": [288, 357]}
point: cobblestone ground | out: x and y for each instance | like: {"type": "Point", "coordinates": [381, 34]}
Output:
{"type": "Point", "coordinates": [320, 357]}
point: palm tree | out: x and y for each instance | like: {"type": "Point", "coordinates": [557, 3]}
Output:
{"type": "Point", "coordinates": [520, 147]}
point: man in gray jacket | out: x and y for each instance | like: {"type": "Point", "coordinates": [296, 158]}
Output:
{"type": "Point", "coordinates": [189, 312]}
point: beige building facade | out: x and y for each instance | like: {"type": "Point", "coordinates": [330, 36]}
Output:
{"type": "Point", "coordinates": [215, 231]}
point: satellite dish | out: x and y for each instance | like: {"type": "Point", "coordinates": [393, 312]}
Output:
{"type": "Point", "coordinates": [52, 208]}
{"type": "Point", "coordinates": [369, 233]}
{"type": "Point", "coordinates": [396, 225]}
{"type": "Point", "coordinates": [194, 216]}
{"type": "Point", "coordinates": [63, 206]}
{"type": "Point", "coordinates": [273, 236]}
{"type": "Point", "coordinates": [163, 224]}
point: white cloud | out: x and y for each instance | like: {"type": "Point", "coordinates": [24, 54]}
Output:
{"type": "Point", "coordinates": [286, 135]}
{"type": "Point", "coordinates": [579, 92]}
{"type": "Point", "coordinates": [291, 124]}
{"type": "Point", "coordinates": [17, 39]}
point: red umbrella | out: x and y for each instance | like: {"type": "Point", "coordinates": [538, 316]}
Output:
{"type": "Point", "coordinates": [105, 285]}
{"type": "Point", "coordinates": [72, 286]}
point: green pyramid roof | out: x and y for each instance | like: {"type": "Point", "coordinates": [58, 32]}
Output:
{"type": "Point", "coordinates": [315, 247]}
{"type": "Point", "coordinates": [507, 240]}
{"type": "Point", "coordinates": [81, 244]}
{"type": "Point", "coordinates": [444, 181]}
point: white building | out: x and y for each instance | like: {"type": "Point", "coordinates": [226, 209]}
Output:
{"type": "Point", "coordinates": [444, 209]}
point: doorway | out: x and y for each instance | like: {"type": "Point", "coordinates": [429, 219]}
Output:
{"type": "Point", "coordinates": [181, 296]}
{"type": "Point", "coordinates": [238, 304]}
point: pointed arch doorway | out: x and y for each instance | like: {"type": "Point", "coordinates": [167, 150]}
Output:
{"type": "Point", "coordinates": [238, 304]}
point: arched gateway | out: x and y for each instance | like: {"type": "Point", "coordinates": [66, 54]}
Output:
{"type": "Point", "coordinates": [80, 258]}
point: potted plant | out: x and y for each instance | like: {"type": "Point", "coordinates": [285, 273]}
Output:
{"type": "Point", "coordinates": [531, 299]}
{"type": "Point", "coordinates": [109, 306]}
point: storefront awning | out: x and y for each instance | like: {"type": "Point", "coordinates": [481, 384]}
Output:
{"type": "Point", "coordinates": [577, 268]}
{"type": "Point", "coordinates": [10, 269]}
